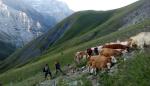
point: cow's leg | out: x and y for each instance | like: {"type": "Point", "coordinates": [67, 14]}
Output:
{"type": "Point", "coordinates": [141, 49]}
{"type": "Point", "coordinates": [124, 55]}
{"type": "Point", "coordinates": [78, 60]}
{"type": "Point", "coordinates": [95, 71]}
{"type": "Point", "coordinates": [141, 45]}
{"type": "Point", "coordinates": [108, 66]}
{"type": "Point", "coordinates": [75, 59]}
{"type": "Point", "coordinates": [113, 59]}
{"type": "Point", "coordinates": [89, 69]}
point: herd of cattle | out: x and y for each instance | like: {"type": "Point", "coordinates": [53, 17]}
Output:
{"type": "Point", "coordinates": [105, 56]}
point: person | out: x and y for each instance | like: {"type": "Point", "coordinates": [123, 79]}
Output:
{"type": "Point", "coordinates": [47, 71]}
{"type": "Point", "coordinates": [58, 68]}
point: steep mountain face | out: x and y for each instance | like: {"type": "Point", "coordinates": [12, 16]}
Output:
{"type": "Point", "coordinates": [24, 20]}
{"type": "Point", "coordinates": [18, 26]}
{"type": "Point", "coordinates": [47, 12]}
{"type": "Point", "coordinates": [51, 8]}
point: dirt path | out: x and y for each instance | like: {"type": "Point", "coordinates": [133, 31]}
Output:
{"type": "Point", "coordinates": [71, 79]}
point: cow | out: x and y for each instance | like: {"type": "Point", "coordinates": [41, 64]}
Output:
{"type": "Point", "coordinates": [80, 55]}
{"type": "Point", "coordinates": [110, 52]}
{"type": "Point", "coordinates": [117, 46]}
{"type": "Point", "coordinates": [100, 63]}
{"type": "Point", "coordinates": [90, 61]}
{"type": "Point", "coordinates": [94, 50]}
{"type": "Point", "coordinates": [140, 40]}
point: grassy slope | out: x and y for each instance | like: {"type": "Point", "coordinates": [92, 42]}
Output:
{"type": "Point", "coordinates": [35, 68]}
{"type": "Point", "coordinates": [85, 21]}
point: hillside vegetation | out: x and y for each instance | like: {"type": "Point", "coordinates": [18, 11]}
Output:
{"type": "Point", "coordinates": [6, 49]}
{"type": "Point", "coordinates": [77, 32]}
{"type": "Point", "coordinates": [134, 72]}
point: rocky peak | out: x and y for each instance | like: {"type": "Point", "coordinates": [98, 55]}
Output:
{"type": "Point", "coordinates": [138, 15]}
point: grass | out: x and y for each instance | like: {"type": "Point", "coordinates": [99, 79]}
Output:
{"type": "Point", "coordinates": [84, 22]}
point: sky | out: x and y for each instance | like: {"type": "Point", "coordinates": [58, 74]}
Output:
{"type": "Point", "coordinates": [79, 5]}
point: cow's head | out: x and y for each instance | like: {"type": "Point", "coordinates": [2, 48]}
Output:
{"type": "Point", "coordinates": [132, 43]}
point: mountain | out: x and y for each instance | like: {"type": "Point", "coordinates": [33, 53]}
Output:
{"type": "Point", "coordinates": [18, 25]}
{"type": "Point", "coordinates": [77, 32]}
{"type": "Point", "coordinates": [47, 12]}
{"type": "Point", "coordinates": [24, 22]}
{"type": "Point", "coordinates": [50, 8]}
{"type": "Point", "coordinates": [21, 21]}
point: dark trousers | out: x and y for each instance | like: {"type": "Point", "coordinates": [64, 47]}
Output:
{"type": "Point", "coordinates": [48, 73]}
{"type": "Point", "coordinates": [59, 69]}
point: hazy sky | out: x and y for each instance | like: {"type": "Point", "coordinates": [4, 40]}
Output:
{"type": "Point", "coordinates": [78, 5]}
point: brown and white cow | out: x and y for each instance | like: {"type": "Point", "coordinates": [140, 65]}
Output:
{"type": "Point", "coordinates": [90, 61]}
{"type": "Point", "coordinates": [100, 63]}
{"type": "Point", "coordinates": [80, 55]}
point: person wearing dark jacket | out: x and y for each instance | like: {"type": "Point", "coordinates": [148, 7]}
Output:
{"type": "Point", "coordinates": [47, 71]}
{"type": "Point", "coordinates": [58, 68]}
